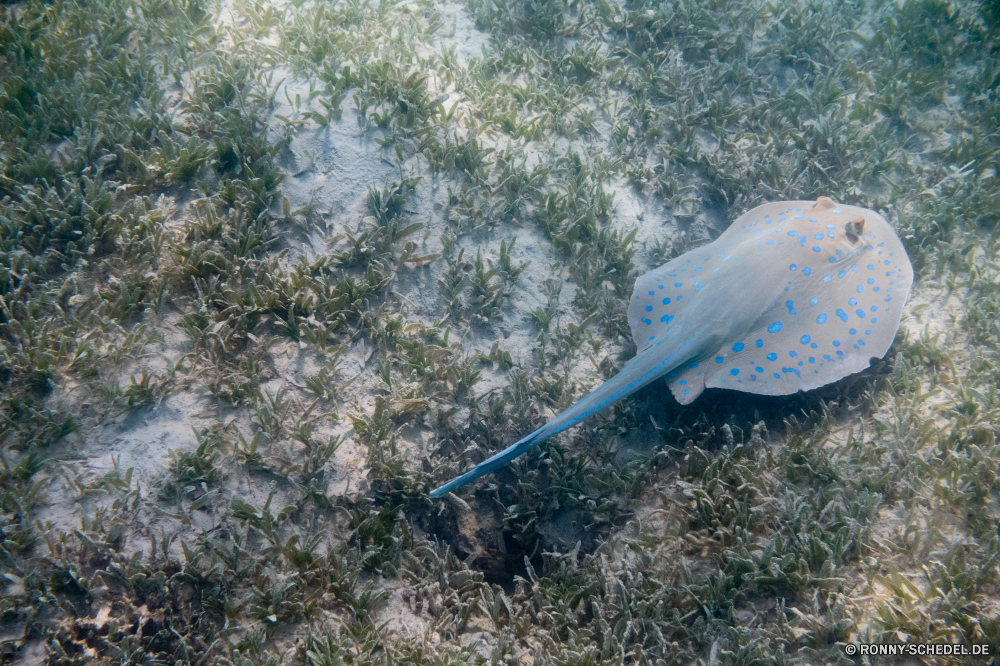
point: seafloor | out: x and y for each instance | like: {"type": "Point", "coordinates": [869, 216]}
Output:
{"type": "Point", "coordinates": [271, 272]}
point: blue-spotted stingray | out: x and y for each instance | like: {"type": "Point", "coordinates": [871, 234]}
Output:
{"type": "Point", "coordinates": [793, 296]}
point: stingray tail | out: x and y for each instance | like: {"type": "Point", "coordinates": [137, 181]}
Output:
{"type": "Point", "coordinates": [641, 371]}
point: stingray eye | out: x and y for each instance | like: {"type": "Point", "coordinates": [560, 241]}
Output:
{"type": "Point", "coordinates": [824, 202]}
{"type": "Point", "coordinates": [854, 228]}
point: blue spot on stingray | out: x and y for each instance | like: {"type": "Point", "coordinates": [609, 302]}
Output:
{"type": "Point", "coordinates": [836, 210]}
{"type": "Point", "coordinates": [792, 267]}
{"type": "Point", "coordinates": [805, 339]}
{"type": "Point", "coordinates": [679, 297]}
{"type": "Point", "coordinates": [793, 353]}
{"type": "Point", "coordinates": [683, 382]}
{"type": "Point", "coordinates": [666, 301]}
{"type": "Point", "coordinates": [792, 370]}
{"type": "Point", "coordinates": [694, 365]}
{"type": "Point", "coordinates": [813, 219]}
{"type": "Point", "coordinates": [812, 359]}
{"type": "Point", "coordinates": [840, 353]}
{"type": "Point", "coordinates": [860, 313]}
{"type": "Point", "coordinates": [874, 308]}
{"type": "Point", "coordinates": [861, 288]}
{"type": "Point", "coordinates": [772, 357]}
{"type": "Point", "coordinates": [871, 280]}
{"type": "Point", "coordinates": [821, 319]}
{"type": "Point", "coordinates": [817, 248]}
{"type": "Point", "coordinates": [777, 376]}
{"type": "Point", "coordinates": [738, 347]}
{"type": "Point", "coordinates": [652, 337]}
{"type": "Point", "coordinates": [734, 372]}
{"type": "Point", "coordinates": [791, 306]}
{"type": "Point", "coordinates": [832, 260]}
{"type": "Point", "coordinates": [876, 288]}
{"type": "Point", "coordinates": [874, 320]}
{"type": "Point", "coordinates": [651, 293]}
{"type": "Point", "coordinates": [852, 301]}
{"type": "Point", "coordinates": [666, 319]}
{"type": "Point", "coordinates": [807, 271]}
{"type": "Point", "coordinates": [828, 278]}
{"type": "Point", "coordinates": [760, 343]}
{"type": "Point", "coordinates": [840, 313]}
{"type": "Point", "coordinates": [827, 357]}
{"type": "Point", "coordinates": [853, 331]}
{"type": "Point", "coordinates": [719, 359]}
{"type": "Point", "coordinates": [678, 284]}
{"type": "Point", "coordinates": [868, 332]}
{"type": "Point", "coordinates": [842, 274]}
{"type": "Point", "coordinates": [685, 391]}
{"type": "Point", "coordinates": [871, 267]}
{"type": "Point", "coordinates": [649, 308]}
{"type": "Point", "coordinates": [861, 342]}
{"type": "Point", "coordinates": [813, 301]}
{"type": "Point", "coordinates": [840, 252]}
{"type": "Point", "coordinates": [814, 346]}
{"type": "Point", "coordinates": [647, 322]}
{"type": "Point", "coordinates": [836, 343]}
{"type": "Point", "coordinates": [774, 328]}
{"type": "Point", "coordinates": [818, 236]}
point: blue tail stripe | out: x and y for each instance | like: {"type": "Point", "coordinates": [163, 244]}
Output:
{"type": "Point", "coordinates": [604, 395]}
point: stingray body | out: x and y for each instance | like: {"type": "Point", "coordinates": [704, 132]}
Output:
{"type": "Point", "coordinates": [793, 296]}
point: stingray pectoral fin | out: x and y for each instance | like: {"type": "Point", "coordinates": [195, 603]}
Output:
{"type": "Point", "coordinates": [650, 365]}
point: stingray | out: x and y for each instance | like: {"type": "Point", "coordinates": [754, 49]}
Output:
{"type": "Point", "coordinates": [793, 296]}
